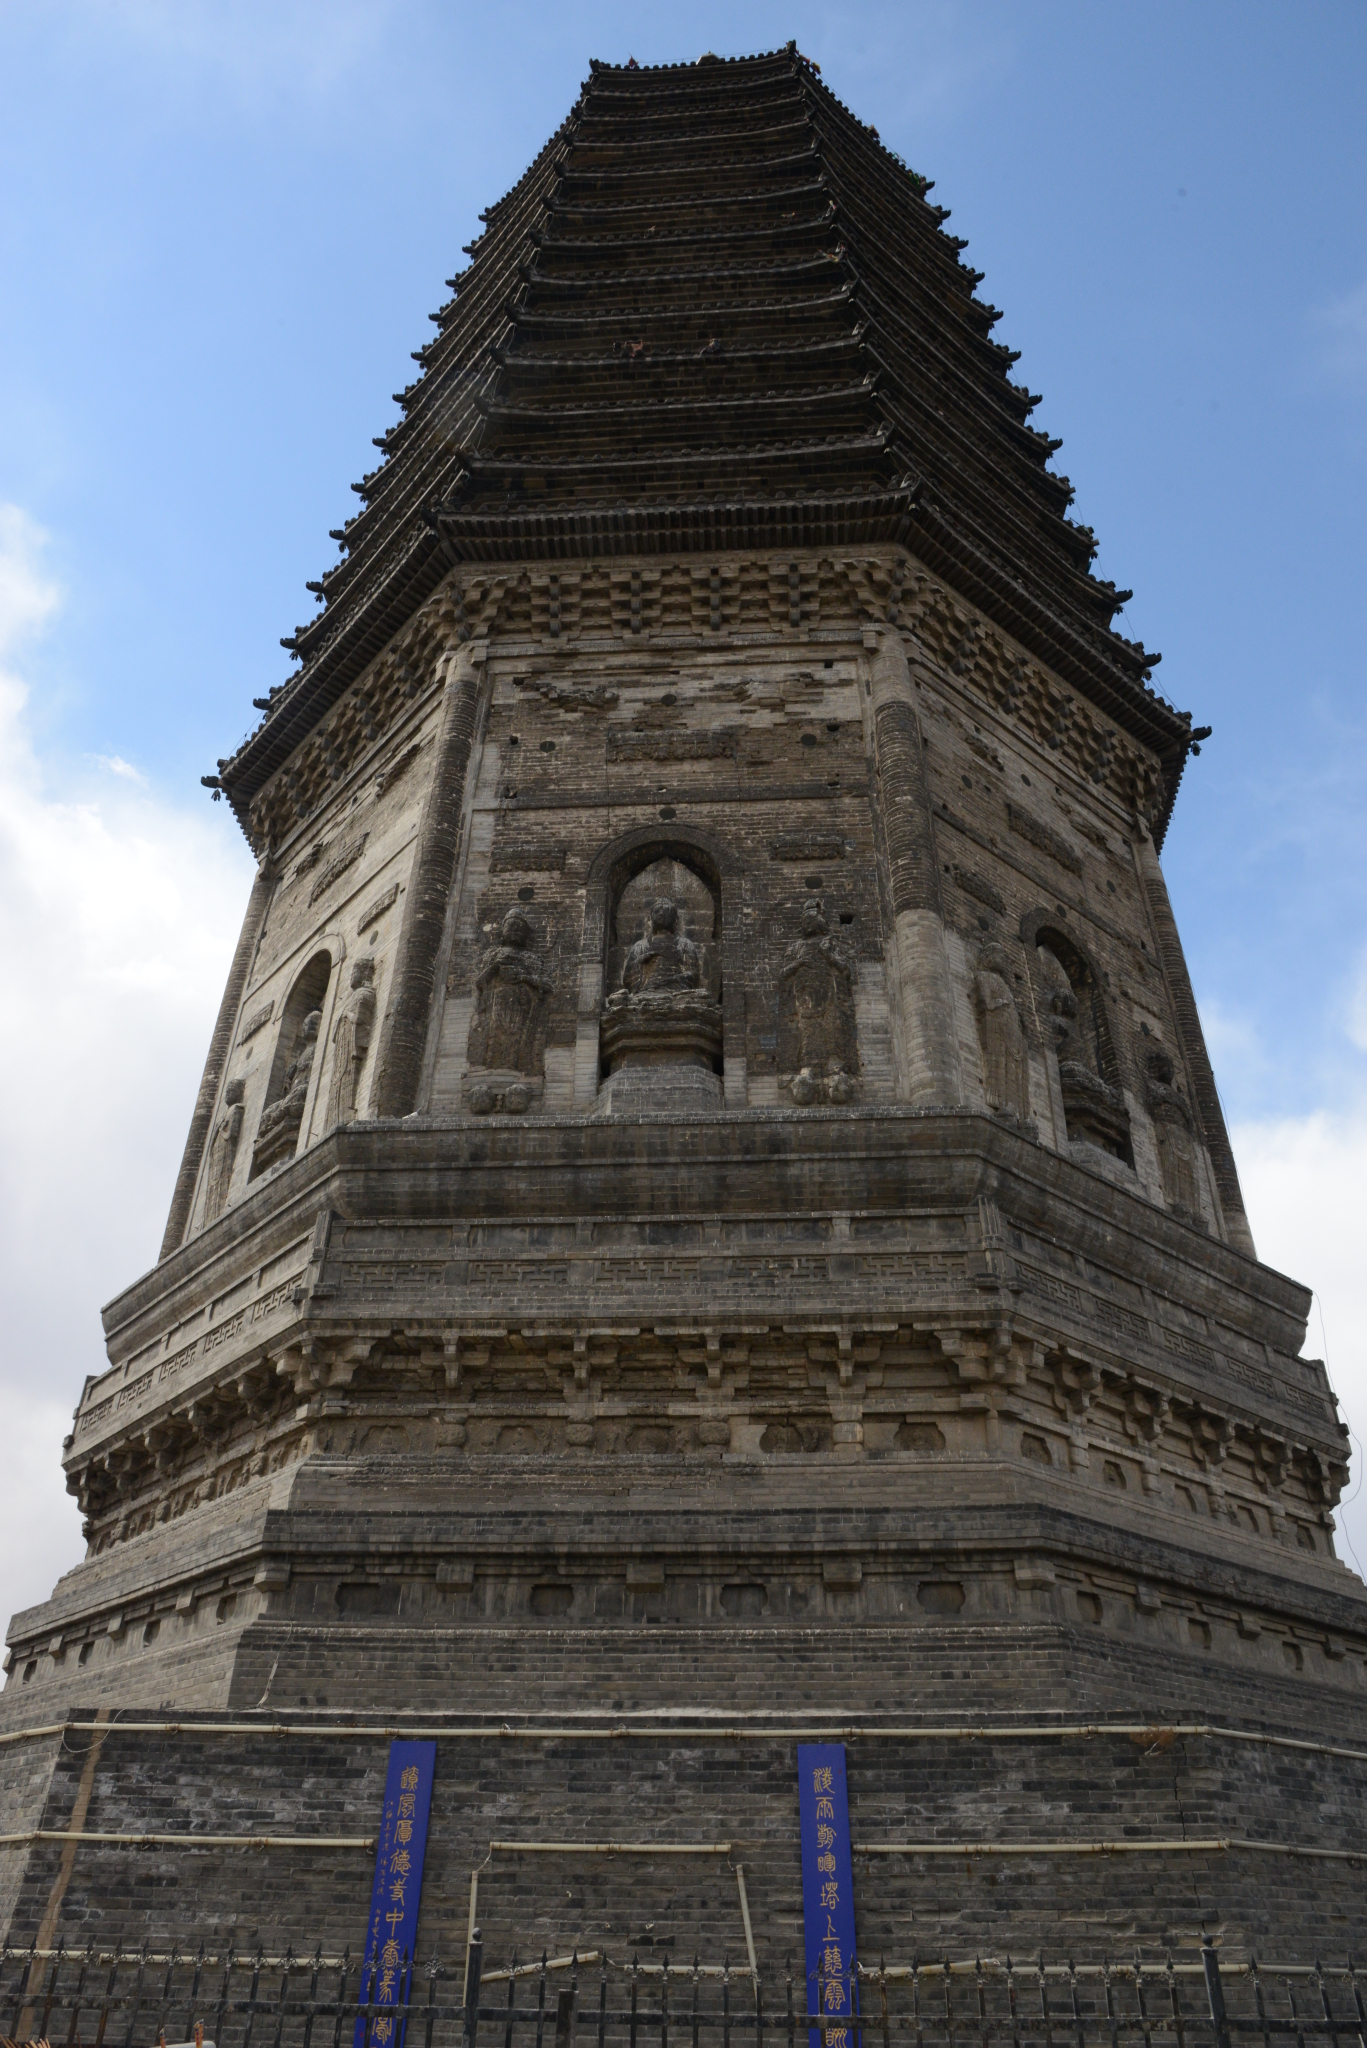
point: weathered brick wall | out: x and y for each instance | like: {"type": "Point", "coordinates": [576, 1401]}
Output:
{"type": "Point", "coordinates": [717, 1788]}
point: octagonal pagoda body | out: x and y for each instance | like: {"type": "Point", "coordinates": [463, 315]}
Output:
{"type": "Point", "coordinates": [826, 1301]}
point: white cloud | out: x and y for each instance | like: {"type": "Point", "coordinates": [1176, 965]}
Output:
{"type": "Point", "coordinates": [27, 597]}
{"type": "Point", "coordinates": [116, 765]}
{"type": "Point", "coordinates": [1235, 1049]}
{"type": "Point", "coordinates": [118, 915]}
{"type": "Point", "coordinates": [1303, 1183]}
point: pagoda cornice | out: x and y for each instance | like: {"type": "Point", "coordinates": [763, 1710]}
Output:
{"type": "Point", "coordinates": [586, 145]}
{"type": "Point", "coordinates": [665, 280]}
{"type": "Point", "coordinates": [478, 464]}
{"type": "Point", "coordinates": [635, 175]}
{"type": "Point", "coordinates": [559, 533]}
{"type": "Point", "coordinates": [560, 209]}
{"type": "Point", "coordinates": [688, 409]}
{"type": "Point", "coordinates": [580, 250]}
{"type": "Point", "coordinates": [526, 318]}
{"type": "Point", "coordinates": [517, 363]}
{"type": "Point", "coordinates": [629, 122]}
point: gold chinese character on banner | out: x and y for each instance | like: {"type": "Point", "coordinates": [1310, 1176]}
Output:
{"type": "Point", "coordinates": [409, 1779]}
{"type": "Point", "coordinates": [824, 1837]}
{"type": "Point", "coordinates": [830, 1960]}
{"type": "Point", "coordinates": [830, 1895]}
{"type": "Point", "coordinates": [825, 1809]}
{"type": "Point", "coordinates": [822, 1780]}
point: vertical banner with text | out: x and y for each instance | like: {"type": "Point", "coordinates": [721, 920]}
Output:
{"type": "Point", "coordinates": [827, 1891]}
{"type": "Point", "coordinates": [393, 1925]}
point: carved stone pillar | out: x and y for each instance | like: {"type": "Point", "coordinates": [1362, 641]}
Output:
{"type": "Point", "coordinates": [403, 1036]}
{"type": "Point", "coordinates": [920, 963]}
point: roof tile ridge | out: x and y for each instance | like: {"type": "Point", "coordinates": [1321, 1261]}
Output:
{"type": "Point", "coordinates": [1022, 514]}
{"type": "Point", "coordinates": [390, 490]}
{"type": "Point", "coordinates": [887, 320]}
{"type": "Point", "coordinates": [636, 402]}
{"type": "Point", "coordinates": [842, 294]}
{"type": "Point", "coordinates": [615, 107]}
{"type": "Point", "coordinates": [869, 136]}
{"type": "Point", "coordinates": [1086, 657]}
{"type": "Point", "coordinates": [984, 353]}
{"type": "Point", "coordinates": [777, 267]}
{"type": "Point", "coordinates": [664, 142]}
{"type": "Point", "coordinates": [565, 245]}
{"type": "Point", "coordinates": [345, 584]}
{"type": "Point", "coordinates": [685, 64]}
{"type": "Point", "coordinates": [1060, 486]}
{"type": "Point", "coordinates": [521, 362]}
{"type": "Point", "coordinates": [1033, 448]}
{"type": "Point", "coordinates": [420, 399]}
{"type": "Point", "coordinates": [742, 452]}
{"type": "Point", "coordinates": [678, 205]}
{"type": "Point", "coordinates": [486, 213]}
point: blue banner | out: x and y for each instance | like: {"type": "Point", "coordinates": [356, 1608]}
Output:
{"type": "Point", "coordinates": [393, 1925]}
{"type": "Point", "coordinates": [827, 1891]}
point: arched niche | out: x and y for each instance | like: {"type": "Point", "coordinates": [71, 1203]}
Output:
{"type": "Point", "coordinates": [1074, 1012]}
{"type": "Point", "coordinates": [698, 873]}
{"type": "Point", "coordinates": [292, 1065]}
{"type": "Point", "coordinates": [695, 894]}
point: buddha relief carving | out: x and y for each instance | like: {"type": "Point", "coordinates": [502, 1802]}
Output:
{"type": "Point", "coordinates": [664, 960]}
{"type": "Point", "coordinates": [817, 993]}
{"type": "Point", "coordinates": [278, 1132]}
{"type": "Point", "coordinates": [351, 1036]}
{"type": "Point", "coordinates": [287, 1087]}
{"type": "Point", "coordinates": [661, 1030]}
{"type": "Point", "coordinates": [507, 1044]}
{"type": "Point", "coordinates": [1093, 1106]}
{"type": "Point", "coordinates": [223, 1151]}
{"type": "Point", "coordinates": [1174, 1135]}
{"type": "Point", "coordinates": [1006, 1074]}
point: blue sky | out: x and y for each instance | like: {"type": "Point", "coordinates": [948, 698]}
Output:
{"type": "Point", "coordinates": [221, 231]}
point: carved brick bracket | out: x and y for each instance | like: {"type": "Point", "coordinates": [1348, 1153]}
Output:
{"type": "Point", "coordinates": [315, 1365]}
{"type": "Point", "coordinates": [1271, 1460]}
{"type": "Point", "coordinates": [1075, 1379]}
{"type": "Point", "coordinates": [588, 1351]}
{"type": "Point", "coordinates": [1211, 1436]}
{"type": "Point", "coordinates": [1325, 1478]}
{"type": "Point", "coordinates": [850, 1350]}
{"type": "Point", "coordinates": [1147, 1408]}
{"type": "Point", "coordinates": [716, 1353]}
{"type": "Point", "coordinates": [457, 1351]}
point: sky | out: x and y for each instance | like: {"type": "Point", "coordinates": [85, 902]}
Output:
{"type": "Point", "coordinates": [222, 228]}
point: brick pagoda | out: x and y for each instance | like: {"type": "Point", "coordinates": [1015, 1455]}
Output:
{"type": "Point", "coordinates": [708, 1215]}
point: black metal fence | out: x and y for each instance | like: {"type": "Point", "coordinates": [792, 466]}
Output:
{"type": "Point", "coordinates": [1179, 1999]}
